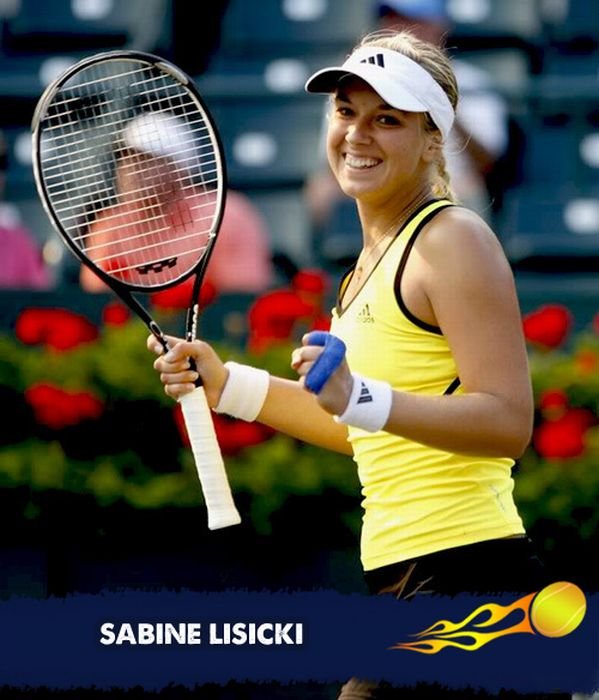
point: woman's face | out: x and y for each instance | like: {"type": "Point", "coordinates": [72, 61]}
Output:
{"type": "Point", "coordinates": [142, 175]}
{"type": "Point", "coordinates": [375, 150]}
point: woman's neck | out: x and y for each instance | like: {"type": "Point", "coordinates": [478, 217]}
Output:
{"type": "Point", "coordinates": [380, 221]}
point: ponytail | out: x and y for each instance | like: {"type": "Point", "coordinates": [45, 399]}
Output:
{"type": "Point", "coordinates": [442, 182]}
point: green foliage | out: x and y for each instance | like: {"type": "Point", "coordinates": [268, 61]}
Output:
{"type": "Point", "coordinates": [565, 491]}
{"type": "Point", "coordinates": [118, 369]}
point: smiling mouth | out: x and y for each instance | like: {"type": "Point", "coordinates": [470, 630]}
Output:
{"type": "Point", "coordinates": [360, 163]}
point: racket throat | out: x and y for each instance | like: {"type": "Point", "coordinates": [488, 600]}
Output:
{"type": "Point", "coordinates": [158, 334]}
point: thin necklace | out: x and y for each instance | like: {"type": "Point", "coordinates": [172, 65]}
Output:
{"type": "Point", "coordinates": [361, 266]}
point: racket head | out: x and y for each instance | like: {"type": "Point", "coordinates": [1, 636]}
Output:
{"type": "Point", "coordinates": [129, 166]}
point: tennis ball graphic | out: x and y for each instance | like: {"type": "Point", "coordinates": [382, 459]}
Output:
{"type": "Point", "coordinates": [558, 609]}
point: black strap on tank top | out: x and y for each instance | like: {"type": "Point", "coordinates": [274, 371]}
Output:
{"type": "Point", "coordinates": [402, 264]}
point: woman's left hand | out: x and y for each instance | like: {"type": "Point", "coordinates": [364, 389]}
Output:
{"type": "Point", "coordinates": [334, 395]}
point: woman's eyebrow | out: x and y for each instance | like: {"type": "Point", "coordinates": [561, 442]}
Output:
{"type": "Point", "coordinates": [341, 96]}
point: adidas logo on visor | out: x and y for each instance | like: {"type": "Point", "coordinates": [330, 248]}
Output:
{"type": "Point", "coordinates": [376, 60]}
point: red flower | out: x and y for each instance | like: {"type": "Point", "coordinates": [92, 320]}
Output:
{"type": "Point", "coordinates": [273, 317]}
{"type": "Point", "coordinates": [553, 401]}
{"type": "Point", "coordinates": [179, 296]}
{"type": "Point", "coordinates": [115, 314]}
{"type": "Point", "coordinates": [57, 408]}
{"type": "Point", "coordinates": [548, 327]}
{"type": "Point", "coordinates": [321, 323]}
{"type": "Point", "coordinates": [564, 437]}
{"type": "Point", "coordinates": [56, 328]}
{"type": "Point", "coordinates": [233, 435]}
{"type": "Point", "coordinates": [313, 281]}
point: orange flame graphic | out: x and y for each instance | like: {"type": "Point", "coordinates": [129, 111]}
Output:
{"type": "Point", "coordinates": [445, 633]}
{"type": "Point", "coordinates": [555, 611]}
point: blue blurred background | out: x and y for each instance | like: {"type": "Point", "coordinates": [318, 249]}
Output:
{"type": "Point", "coordinates": [250, 60]}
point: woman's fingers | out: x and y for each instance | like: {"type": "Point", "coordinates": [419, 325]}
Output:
{"type": "Point", "coordinates": [303, 358]}
{"type": "Point", "coordinates": [175, 370]}
{"type": "Point", "coordinates": [179, 377]}
{"type": "Point", "coordinates": [155, 346]}
{"type": "Point", "coordinates": [163, 365]}
{"type": "Point", "coordinates": [176, 391]}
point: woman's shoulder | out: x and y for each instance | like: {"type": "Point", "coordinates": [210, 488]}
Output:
{"type": "Point", "coordinates": [457, 228]}
{"type": "Point", "coordinates": [459, 242]}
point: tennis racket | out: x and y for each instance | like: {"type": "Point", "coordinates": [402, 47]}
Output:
{"type": "Point", "coordinates": [129, 167]}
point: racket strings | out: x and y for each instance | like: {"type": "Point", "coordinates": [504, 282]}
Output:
{"type": "Point", "coordinates": [139, 236]}
{"type": "Point", "coordinates": [201, 142]}
{"type": "Point", "coordinates": [182, 172]}
{"type": "Point", "coordinates": [150, 246]}
{"type": "Point", "coordinates": [133, 171]}
{"type": "Point", "coordinates": [108, 217]}
{"type": "Point", "coordinates": [108, 191]}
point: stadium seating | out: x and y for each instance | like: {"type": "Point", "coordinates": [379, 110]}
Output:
{"type": "Point", "coordinates": [340, 240]}
{"type": "Point", "coordinates": [293, 26]}
{"type": "Point", "coordinates": [280, 74]}
{"type": "Point", "coordinates": [543, 54]}
{"type": "Point", "coordinates": [66, 25]}
{"type": "Point", "coordinates": [553, 229]}
{"type": "Point", "coordinates": [561, 148]}
{"type": "Point", "coordinates": [568, 19]}
{"type": "Point", "coordinates": [269, 143]}
{"type": "Point", "coordinates": [486, 20]}
{"type": "Point", "coordinates": [19, 181]}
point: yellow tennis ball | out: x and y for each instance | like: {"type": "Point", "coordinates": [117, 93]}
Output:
{"type": "Point", "coordinates": [558, 609]}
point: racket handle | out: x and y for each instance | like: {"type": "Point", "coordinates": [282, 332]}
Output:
{"type": "Point", "coordinates": [209, 462]}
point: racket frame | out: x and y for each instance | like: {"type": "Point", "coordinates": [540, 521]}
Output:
{"type": "Point", "coordinates": [124, 289]}
{"type": "Point", "coordinates": [225, 513]}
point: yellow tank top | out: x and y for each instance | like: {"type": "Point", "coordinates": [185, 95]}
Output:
{"type": "Point", "coordinates": [417, 499]}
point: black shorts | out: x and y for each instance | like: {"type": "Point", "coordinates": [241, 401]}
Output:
{"type": "Point", "coordinates": [508, 565]}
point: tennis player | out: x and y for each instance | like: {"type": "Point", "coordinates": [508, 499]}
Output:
{"type": "Point", "coordinates": [432, 397]}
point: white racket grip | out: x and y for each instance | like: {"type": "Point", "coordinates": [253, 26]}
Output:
{"type": "Point", "coordinates": [209, 462]}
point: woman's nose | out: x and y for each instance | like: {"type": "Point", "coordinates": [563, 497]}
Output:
{"type": "Point", "coordinates": [357, 133]}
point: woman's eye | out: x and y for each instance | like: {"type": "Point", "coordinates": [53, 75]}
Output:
{"type": "Point", "coordinates": [388, 120]}
{"type": "Point", "coordinates": [344, 111]}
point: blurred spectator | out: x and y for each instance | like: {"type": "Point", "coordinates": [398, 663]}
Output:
{"type": "Point", "coordinates": [480, 133]}
{"type": "Point", "coordinates": [22, 265]}
{"type": "Point", "coordinates": [241, 261]}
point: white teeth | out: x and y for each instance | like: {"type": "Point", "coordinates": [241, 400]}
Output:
{"type": "Point", "coordinates": [356, 162]}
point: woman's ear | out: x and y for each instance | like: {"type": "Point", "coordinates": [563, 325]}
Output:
{"type": "Point", "coordinates": [433, 147]}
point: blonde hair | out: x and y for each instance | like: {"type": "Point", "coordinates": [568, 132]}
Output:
{"type": "Point", "coordinates": [437, 63]}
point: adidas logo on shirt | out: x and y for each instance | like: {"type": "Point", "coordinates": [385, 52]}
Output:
{"type": "Point", "coordinates": [364, 316]}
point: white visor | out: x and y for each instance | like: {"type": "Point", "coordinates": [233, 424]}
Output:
{"type": "Point", "coordinates": [161, 134]}
{"type": "Point", "coordinates": [399, 80]}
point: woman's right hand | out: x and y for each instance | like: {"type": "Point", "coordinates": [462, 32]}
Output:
{"type": "Point", "coordinates": [175, 372]}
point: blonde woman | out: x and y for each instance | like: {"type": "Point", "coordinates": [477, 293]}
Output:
{"type": "Point", "coordinates": [432, 397]}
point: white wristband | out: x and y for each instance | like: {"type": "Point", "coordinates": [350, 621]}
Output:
{"type": "Point", "coordinates": [244, 393]}
{"type": "Point", "coordinates": [369, 404]}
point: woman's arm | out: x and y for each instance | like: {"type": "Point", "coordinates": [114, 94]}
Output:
{"type": "Point", "coordinates": [468, 291]}
{"type": "Point", "coordinates": [287, 407]}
